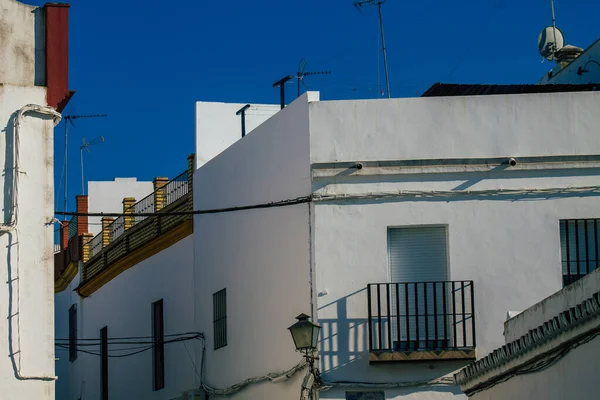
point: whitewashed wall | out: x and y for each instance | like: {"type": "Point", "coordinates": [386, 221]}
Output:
{"type": "Point", "coordinates": [569, 73]}
{"type": "Point", "coordinates": [27, 271]}
{"type": "Point", "coordinates": [23, 44]}
{"type": "Point", "coordinates": [572, 377]}
{"type": "Point", "coordinates": [509, 246]}
{"type": "Point", "coordinates": [536, 315]}
{"type": "Point", "coordinates": [107, 196]}
{"type": "Point", "coordinates": [68, 373]}
{"type": "Point", "coordinates": [260, 256]}
{"type": "Point", "coordinates": [124, 305]}
{"type": "Point", "coordinates": [218, 127]}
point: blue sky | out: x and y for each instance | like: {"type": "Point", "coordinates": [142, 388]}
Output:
{"type": "Point", "coordinates": [146, 63]}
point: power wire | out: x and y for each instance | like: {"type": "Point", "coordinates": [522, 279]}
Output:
{"type": "Point", "coordinates": [355, 196]}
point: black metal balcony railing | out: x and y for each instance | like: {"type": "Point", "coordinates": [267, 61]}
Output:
{"type": "Point", "coordinates": [177, 188]}
{"type": "Point", "coordinates": [128, 233]}
{"type": "Point", "coordinates": [421, 316]}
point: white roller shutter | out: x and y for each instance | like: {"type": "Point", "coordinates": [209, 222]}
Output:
{"type": "Point", "coordinates": [418, 254]}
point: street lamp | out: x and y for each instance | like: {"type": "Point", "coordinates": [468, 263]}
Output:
{"type": "Point", "coordinates": [306, 336]}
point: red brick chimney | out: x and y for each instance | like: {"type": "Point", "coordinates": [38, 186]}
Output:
{"type": "Point", "coordinates": [57, 55]}
{"type": "Point", "coordinates": [82, 207]}
{"type": "Point", "coordinates": [64, 235]}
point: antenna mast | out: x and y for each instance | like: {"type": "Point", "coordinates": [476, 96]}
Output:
{"type": "Point", "coordinates": [358, 6]}
{"type": "Point", "coordinates": [69, 119]}
{"type": "Point", "coordinates": [86, 146]}
{"type": "Point", "coordinates": [554, 46]}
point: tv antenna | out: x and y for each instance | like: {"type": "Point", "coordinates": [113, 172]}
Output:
{"type": "Point", "coordinates": [86, 146]}
{"type": "Point", "coordinates": [301, 73]}
{"type": "Point", "coordinates": [551, 39]}
{"type": "Point", "coordinates": [69, 119]}
{"type": "Point", "coordinates": [378, 3]}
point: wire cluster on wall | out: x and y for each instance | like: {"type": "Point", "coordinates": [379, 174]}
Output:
{"type": "Point", "coordinates": [135, 344]}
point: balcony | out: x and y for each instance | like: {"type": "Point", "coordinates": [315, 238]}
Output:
{"type": "Point", "coordinates": [421, 321]}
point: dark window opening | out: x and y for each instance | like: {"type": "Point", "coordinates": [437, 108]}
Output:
{"type": "Point", "coordinates": [365, 396]}
{"type": "Point", "coordinates": [73, 333]}
{"type": "Point", "coordinates": [158, 351]}
{"type": "Point", "coordinates": [220, 318]}
{"type": "Point", "coordinates": [104, 362]}
{"type": "Point", "coordinates": [579, 242]}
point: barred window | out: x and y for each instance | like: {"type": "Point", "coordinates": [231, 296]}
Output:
{"type": "Point", "coordinates": [158, 350]}
{"type": "Point", "coordinates": [220, 318]}
{"type": "Point", "coordinates": [73, 333]}
{"type": "Point", "coordinates": [579, 241]}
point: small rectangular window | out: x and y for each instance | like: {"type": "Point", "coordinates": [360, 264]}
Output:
{"type": "Point", "coordinates": [73, 333]}
{"type": "Point", "coordinates": [220, 318]}
{"type": "Point", "coordinates": [365, 396]}
{"type": "Point", "coordinates": [579, 242]}
{"type": "Point", "coordinates": [104, 362]}
{"type": "Point", "coordinates": [158, 351]}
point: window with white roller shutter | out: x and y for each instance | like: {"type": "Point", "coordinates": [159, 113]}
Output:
{"type": "Point", "coordinates": [417, 254]}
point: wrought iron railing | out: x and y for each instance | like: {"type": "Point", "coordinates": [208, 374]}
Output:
{"type": "Point", "coordinates": [96, 245]}
{"type": "Point", "coordinates": [146, 205]}
{"type": "Point", "coordinates": [73, 227]}
{"type": "Point", "coordinates": [122, 239]}
{"type": "Point", "coordinates": [177, 188]}
{"type": "Point", "coordinates": [420, 316]}
{"type": "Point", "coordinates": [116, 228]}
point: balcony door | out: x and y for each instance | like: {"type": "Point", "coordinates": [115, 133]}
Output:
{"type": "Point", "coordinates": [418, 263]}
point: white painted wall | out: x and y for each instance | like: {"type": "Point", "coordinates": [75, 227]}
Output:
{"type": "Point", "coordinates": [23, 44]}
{"type": "Point", "coordinates": [569, 73]}
{"type": "Point", "coordinates": [27, 322]}
{"type": "Point", "coordinates": [217, 126]}
{"type": "Point", "coordinates": [509, 246]}
{"type": "Point", "coordinates": [572, 377]}
{"type": "Point", "coordinates": [260, 256]}
{"type": "Point", "coordinates": [550, 307]}
{"type": "Point", "coordinates": [68, 373]}
{"type": "Point", "coordinates": [107, 196]}
{"type": "Point", "coordinates": [124, 305]}
{"type": "Point", "coordinates": [454, 127]}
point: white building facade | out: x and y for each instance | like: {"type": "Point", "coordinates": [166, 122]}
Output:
{"type": "Point", "coordinates": [124, 294]}
{"type": "Point", "coordinates": [585, 69]}
{"type": "Point", "coordinates": [550, 352]}
{"type": "Point", "coordinates": [406, 228]}
{"type": "Point", "coordinates": [33, 90]}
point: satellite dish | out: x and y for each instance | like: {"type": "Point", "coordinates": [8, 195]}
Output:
{"type": "Point", "coordinates": [548, 45]}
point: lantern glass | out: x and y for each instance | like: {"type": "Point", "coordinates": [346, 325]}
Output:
{"type": "Point", "coordinates": [305, 333]}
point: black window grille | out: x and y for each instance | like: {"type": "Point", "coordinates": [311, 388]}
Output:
{"type": "Point", "coordinates": [73, 333]}
{"type": "Point", "coordinates": [158, 351]}
{"type": "Point", "coordinates": [220, 318]}
{"type": "Point", "coordinates": [579, 242]}
{"type": "Point", "coordinates": [104, 363]}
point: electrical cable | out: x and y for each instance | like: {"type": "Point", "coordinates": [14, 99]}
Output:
{"type": "Point", "coordinates": [8, 227]}
{"type": "Point", "coordinates": [138, 350]}
{"type": "Point", "coordinates": [347, 196]}
{"type": "Point", "coordinates": [281, 203]}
